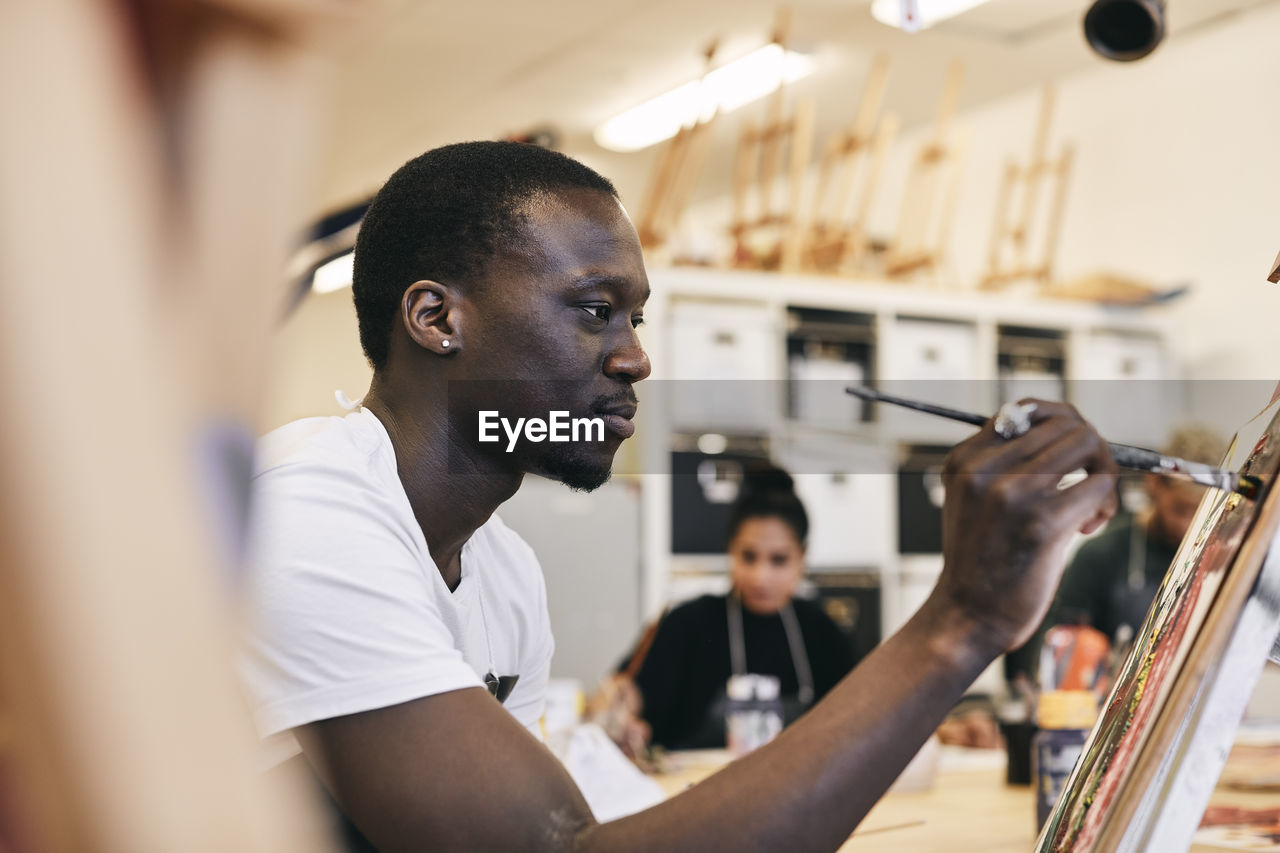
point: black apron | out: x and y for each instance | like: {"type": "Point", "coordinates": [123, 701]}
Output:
{"type": "Point", "coordinates": [711, 730]}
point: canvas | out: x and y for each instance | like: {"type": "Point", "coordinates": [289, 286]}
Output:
{"type": "Point", "coordinates": [1154, 756]}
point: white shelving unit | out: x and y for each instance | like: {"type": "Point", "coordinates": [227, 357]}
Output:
{"type": "Point", "coordinates": [729, 325]}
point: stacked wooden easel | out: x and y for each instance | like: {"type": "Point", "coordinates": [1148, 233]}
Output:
{"type": "Point", "coordinates": [933, 183]}
{"type": "Point", "coordinates": [1011, 257]}
{"type": "Point", "coordinates": [766, 227]}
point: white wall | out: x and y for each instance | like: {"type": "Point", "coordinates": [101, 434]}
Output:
{"type": "Point", "coordinates": [316, 353]}
{"type": "Point", "coordinates": [1177, 167]}
{"type": "Point", "coordinates": [1176, 172]}
{"type": "Point", "coordinates": [1175, 181]}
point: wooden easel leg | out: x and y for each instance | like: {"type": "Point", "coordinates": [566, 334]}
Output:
{"type": "Point", "coordinates": [795, 223]}
{"type": "Point", "coordinates": [947, 216]}
{"type": "Point", "coordinates": [744, 174]}
{"type": "Point", "coordinates": [999, 227]}
{"type": "Point", "coordinates": [1062, 177]}
{"type": "Point", "coordinates": [856, 245]}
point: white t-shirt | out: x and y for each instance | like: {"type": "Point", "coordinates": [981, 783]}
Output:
{"type": "Point", "coordinates": [348, 610]}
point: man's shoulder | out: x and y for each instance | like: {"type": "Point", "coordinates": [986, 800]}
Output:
{"type": "Point", "coordinates": [321, 444]}
{"type": "Point", "coordinates": [323, 477]}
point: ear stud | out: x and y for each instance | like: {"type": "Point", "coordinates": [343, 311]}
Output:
{"type": "Point", "coordinates": [444, 344]}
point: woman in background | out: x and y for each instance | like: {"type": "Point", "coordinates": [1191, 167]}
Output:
{"type": "Point", "coordinates": [758, 628]}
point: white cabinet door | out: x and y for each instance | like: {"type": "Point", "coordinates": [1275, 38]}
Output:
{"type": "Point", "coordinates": [928, 350]}
{"type": "Point", "coordinates": [1120, 385]}
{"type": "Point", "coordinates": [848, 492]}
{"type": "Point", "coordinates": [1107, 355]}
{"type": "Point", "coordinates": [937, 361]}
{"type": "Point", "coordinates": [725, 365]}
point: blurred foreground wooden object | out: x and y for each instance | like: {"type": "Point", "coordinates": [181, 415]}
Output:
{"type": "Point", "coordinates": [150, 183]}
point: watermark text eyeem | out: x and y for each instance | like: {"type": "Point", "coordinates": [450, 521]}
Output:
{"type": "Point", "coordinates": [558, 427]}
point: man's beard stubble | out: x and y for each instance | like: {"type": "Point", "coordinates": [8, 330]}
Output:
{"type": "Point", "coordinates": [568, 465]}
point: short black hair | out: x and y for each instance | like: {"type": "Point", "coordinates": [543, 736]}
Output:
{"type": "Point", "coordinates": [768, 492]}
{"type": "Point", "coordinates": [443, 216]}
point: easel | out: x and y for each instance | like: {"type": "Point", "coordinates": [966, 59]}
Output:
{"type": "Point", "coordinates": [1009, 260]}
{"type": "Point", "coordinates": [759, 165]}
{"type": "Point", "coordinates": [1146, 772]}
{"type": "Point", "coordinates": [126, 728]}
{"type": "Point", "coordinates": [678, 168]}
{"type": "Point", "coordinates": [928, 203]}
{"type": "Point", "coordinates": [835, 240]}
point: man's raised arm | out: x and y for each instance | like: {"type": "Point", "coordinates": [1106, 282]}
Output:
{"type": "Point", "coordinates": [455, 771]}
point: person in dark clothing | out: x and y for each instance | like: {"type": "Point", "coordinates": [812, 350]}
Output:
{"type": "Point", "coordinates": [760, 627]}
{"type": "Point", "coordinates": [1113, 578]}
{"type": "Point", "coordinates": [682, 681]}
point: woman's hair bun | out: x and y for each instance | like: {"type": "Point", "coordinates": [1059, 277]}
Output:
{"type": "Point", "coordinates": [760, 477]}
{"type": "Point", "coordinates": [768, 492]}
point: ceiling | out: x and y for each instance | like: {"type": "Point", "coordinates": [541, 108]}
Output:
{"type": "Point", "coordinates": [428, 72]}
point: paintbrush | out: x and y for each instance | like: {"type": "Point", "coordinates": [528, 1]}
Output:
{"type": "Point", "coordinates": [1126, 456]}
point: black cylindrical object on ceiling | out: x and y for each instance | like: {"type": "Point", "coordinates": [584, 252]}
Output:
{"type": "Point", "coordinates": [1124, 30]}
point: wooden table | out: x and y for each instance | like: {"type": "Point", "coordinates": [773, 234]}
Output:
{"type": "Point", "coordinates": [966, 811]}
{"type": "Point", "coordinates": [969, 809]}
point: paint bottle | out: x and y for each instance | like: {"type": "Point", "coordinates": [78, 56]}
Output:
{"type": "Point", "coordinates": [754, 713]}
{"type": "Point", "coordinates": [1065, 718]}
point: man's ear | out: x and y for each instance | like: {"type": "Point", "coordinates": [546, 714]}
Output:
{"type": "Point", "coordinates": [432, 316]}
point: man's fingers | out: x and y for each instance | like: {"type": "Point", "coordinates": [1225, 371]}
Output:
{"type": "Point", "coordinates": [1045, 409]}
{"type": "Point", "coordinates": [1075, 448]}
{"type": "Point", "coordinates": [988, 455]}
{"type": "Point", "coordinates": [1101, 517]}
{"type": "Point", "coordinates": [1088, 504]}
{"type": "Point", "coordinates": [1008, 454]}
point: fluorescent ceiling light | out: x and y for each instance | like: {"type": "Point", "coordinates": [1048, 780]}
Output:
{"type": "Point", "coordinates": [334, 275]}
{"type": "Point", "coordinates": [725, 88]}
{"type": "Point", "coordinates": [899, 13]}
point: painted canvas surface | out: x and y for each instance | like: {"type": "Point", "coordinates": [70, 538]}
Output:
{"type": "Point", "coordinates": [1145, 720]}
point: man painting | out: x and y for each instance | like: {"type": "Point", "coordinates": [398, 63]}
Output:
{"type": "Point", "coordinates": [498, 277]}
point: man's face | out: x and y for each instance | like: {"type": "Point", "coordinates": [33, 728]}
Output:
{"type": "Point", "coordinates": [1173, 505]}
{"type": "Point", "coordinates": [555, 328]}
